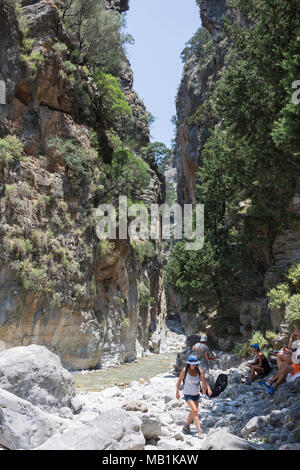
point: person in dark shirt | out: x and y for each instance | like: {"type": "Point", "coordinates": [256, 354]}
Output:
{"type": "Point", "coordinates": [260, 367]}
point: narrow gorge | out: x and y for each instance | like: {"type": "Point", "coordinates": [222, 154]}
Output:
{"type": "Point", "coordinates": [75, 136]}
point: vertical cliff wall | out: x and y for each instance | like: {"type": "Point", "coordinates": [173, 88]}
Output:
{"type": "Point", "coordinates": [59, 286]}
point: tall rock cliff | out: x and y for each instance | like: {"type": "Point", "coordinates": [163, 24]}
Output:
{"type": "Point", "coordinates": [266, 260]}
{"type": "Point", "coordinates": [89, 301]}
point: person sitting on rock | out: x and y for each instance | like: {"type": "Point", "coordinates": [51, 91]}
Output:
{"type": "Point", "coordinates": [288, 372]}
{"type": "Point", "coordinates": [260, 367]}
{"type": "Point", "coordinates": [284, 358]}
{"type": "Point", "coordinates": [191, 376]}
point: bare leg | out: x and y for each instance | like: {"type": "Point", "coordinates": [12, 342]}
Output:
{"type": "Point", "coordinates": [282, 375]}
{"type": "Point", "coordinates": [283, 359]}
{"type": "Point", "coordinates": [255, 370]}
{"type": "Point", "coordinates": [193, 416]}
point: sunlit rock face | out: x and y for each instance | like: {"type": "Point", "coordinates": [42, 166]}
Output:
{"type": "Point", "coordinates": [94, 318]}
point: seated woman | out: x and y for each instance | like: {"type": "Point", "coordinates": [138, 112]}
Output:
{"type": "Point", "coordinates": [260, 367]}
{"type": "Point", "coordinates": [289, 372]}
{"type": "Point", "coordinates": [284, 358]}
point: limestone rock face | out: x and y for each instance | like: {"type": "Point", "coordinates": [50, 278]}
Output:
{"type": "Point", "coordinates": [25, 426]}
{"type": "Point", "coordinates": [92, 317]}
{"type": "Point", "coordinates": [35, 374]}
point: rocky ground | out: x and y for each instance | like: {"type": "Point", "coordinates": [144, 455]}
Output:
{"type": "Point", "coordinates": [39, 409]}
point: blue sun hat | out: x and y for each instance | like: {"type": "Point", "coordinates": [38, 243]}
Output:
{"type": "Point", "coordinates": [193, 360]}
{"type": "Point", "coordinates": [256, 346]}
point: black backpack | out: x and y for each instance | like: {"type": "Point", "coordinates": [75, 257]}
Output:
{"type": "Point", "coordinates": [220, 385]}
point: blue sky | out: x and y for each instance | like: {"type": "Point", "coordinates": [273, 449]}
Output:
{"type": "Point", "coordinates": [160, 29]}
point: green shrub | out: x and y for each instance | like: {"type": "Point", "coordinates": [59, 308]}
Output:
{"type": "Point", "coordinates": [279, 296]}
{"type": "Point", "coordinates": [258, 338]}
{"type": "Point", "coordinates": [294, 276]}
{"type": "Point", "coordinates": [96, 33]}
{"type": "Point", "coordinates": [79, 162]}
{"type": "Point", "coordinates": [10, 148]}
{"type": "Point", "coordinates": [105, 248]}
{"type": "Point", "coordinates": [145, 251]}
{"type": "Point", "coordinates": [60, 47]}
{"type": "Point", "coordinates": [241, 350]}
{"type": "Point", "coordinates": [293, 311]}
{"type": "Point", "coordinates": [114, 103]}
{"type": "Point", "coordinates": [34, 60]}
{"type": "Point", "coordinates": [145, 295]}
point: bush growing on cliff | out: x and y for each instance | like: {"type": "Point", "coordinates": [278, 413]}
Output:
{"type": "Point", "coordinates": [200, 47]}
{"type": "Point", "coordinates": [10, 148]}
{"type": "Point", "coordinates": [79, 162]}
{"type": "Point", "coordinates": [293, 311]}
{"type": "Point", "coordinates": [157, 153]}
{"type": "Point", "coordinates": [113, 100]}
{"type": "Point", "coordinates": [96, 33]}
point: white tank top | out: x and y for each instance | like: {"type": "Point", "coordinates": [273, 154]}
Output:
{"type": "Point", "coordinates": [191, 385]}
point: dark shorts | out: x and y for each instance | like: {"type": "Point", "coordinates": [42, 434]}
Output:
{"type": "Point", "coordinates": [192, 398]}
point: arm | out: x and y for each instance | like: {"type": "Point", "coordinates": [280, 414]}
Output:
{"type": "Point", "coordinates": [180, 379]}
{"type": "Point", "coordinates": [260, 358]}
{"type": "Point", "coordinates": [211, 358]}
{"type": "Point", "coordinates": [205, 386]}
{"type": "Point", "coordinates": [291, 341]}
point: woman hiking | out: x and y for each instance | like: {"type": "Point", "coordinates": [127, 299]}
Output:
{"type": "Point", "coordinates": [191, 376]}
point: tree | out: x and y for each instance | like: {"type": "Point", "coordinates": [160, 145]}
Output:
{"type": "Point", "coordinates": [96, 33]}
{"type": "Point", "coordinates": [158, 153]}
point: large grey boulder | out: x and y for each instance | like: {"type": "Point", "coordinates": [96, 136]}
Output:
{"type": "Point", "coordinates": [113, 430]}
{"type": "Point", "coordinates": [255, 424]}
{"type": "Point", "coordinates": [151, 426]}
{"type": "Point", "coordinates": [25, 426]}
{"type": "Point", "coordinates": [223, 440]}
{"type": "Point", "coordinates": [35, 374]}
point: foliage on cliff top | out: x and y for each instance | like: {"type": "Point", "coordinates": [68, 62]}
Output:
{"type": "Point", "coordinates": [95, 32]}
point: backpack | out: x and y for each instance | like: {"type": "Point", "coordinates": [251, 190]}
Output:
{"type": "Point", "coordinates": [186, 371]}
{"type": "Point", "coordinates": [220, 385]}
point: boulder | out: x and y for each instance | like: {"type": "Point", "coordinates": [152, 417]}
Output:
{"type": "Point", "coordinates": [35, 374]}
{"type": "Point", "coordinates": [256, 423]}
{"type": "Point", "coordinates": [25, 426]}
{"type": "Point", "coordinates": [66, 413]}
{"type": "Point", "coordinates": [76, 404]}
{"type": "Point", "coordinates": [113, 430]}
{"type": "Point", "coordinates": [169, 444]}
{"type": "Point", "coordinates": [151, 426]}
{"type": "Point", "coordinates": [227, 360]}
{"type": "Point", "coordinates": [223, 440]}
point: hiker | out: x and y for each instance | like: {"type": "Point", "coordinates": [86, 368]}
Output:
{"type": "Point", "coordinates": [203, 354]}
{"type": "Point", "coordinates": [260, 367]}
{"type": "Point", "coordinates": [191, 376]}
{"type": "Point", "coordinates": [284, 358]}
{"type": "Point", "coordinates": [289, 372]}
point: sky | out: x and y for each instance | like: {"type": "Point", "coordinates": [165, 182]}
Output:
{"type": "Point", "coordinates": [160, 29]}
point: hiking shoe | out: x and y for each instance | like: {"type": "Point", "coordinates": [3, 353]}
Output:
{"type": "Point", "coordinates": [271, 390]}
{"type": "Point", "coordinates": [200, 434]}
{"type": "Point", "coordinates": [186, 429]}
{"type": "Point", "coordinates": [265, 384]}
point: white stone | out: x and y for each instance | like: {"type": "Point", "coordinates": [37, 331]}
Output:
{"type": "Point", "coordinates": [35, 374]}
{"type": "Point", "coordinates": [25, 426]}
